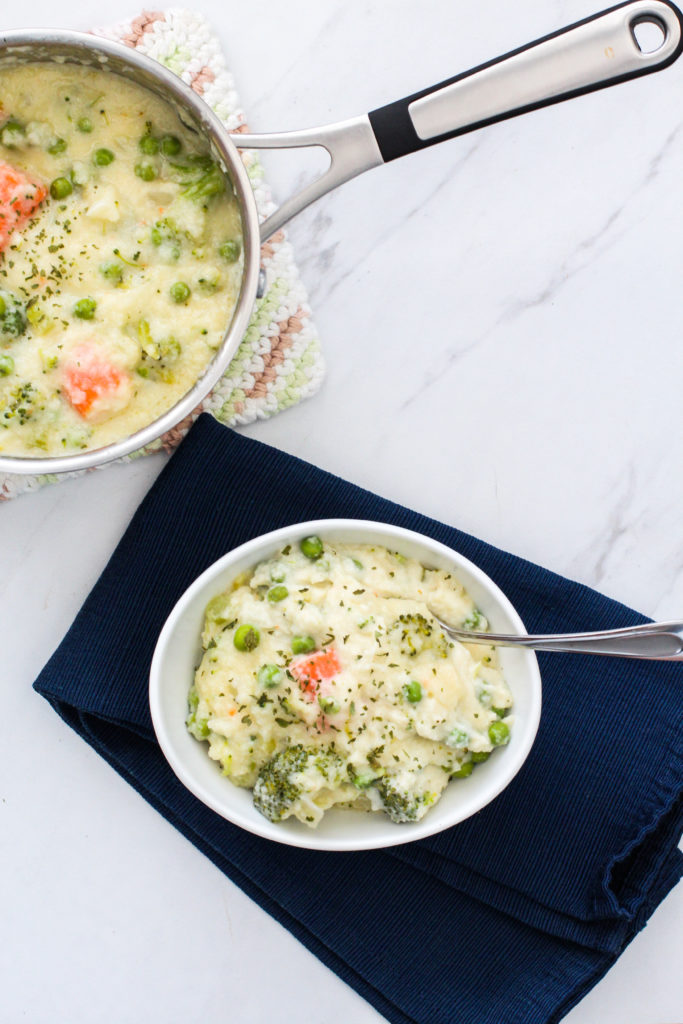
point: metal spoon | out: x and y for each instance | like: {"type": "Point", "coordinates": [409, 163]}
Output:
{"type": "Point", "coordinates": [662, 641]}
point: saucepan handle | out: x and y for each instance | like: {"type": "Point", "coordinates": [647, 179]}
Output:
{"type": "Point", "coordinates": [591, 54]}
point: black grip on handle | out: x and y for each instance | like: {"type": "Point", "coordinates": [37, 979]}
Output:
{"type": "Point", "coordinates": [393, 126]}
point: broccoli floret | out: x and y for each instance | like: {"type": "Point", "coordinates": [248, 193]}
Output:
{"type": "Point", "coordinates": [209, 185]}
{"type": "Point", "coordinates": [401, 803]}
{"type": "Point", "coordinates": [157, 357]}
{"type": "Point", "coordinates": [197, 727]}
{"type": "Point", "coordinates": [475, 621]}
{"type": "Point", "coordinates": [294, 777]}
{"type": "Point", "coordinates": [201, 176]}
{"type": "Point", "coordinates": [22, 402]}
{"type": "Point", "coordinates": [417, 633]}
{"type": "Point", "coordinates": [190, 167]}
{"type": "Point", "coordinates": [13, 323]}
{"type": "Point", "coordinates": [12, 316]}
{"type": "Point", "coordinates": [361, 779]}
{"type": "Point", "coordinates": [13, 133]}
{"type": "Point", "coordinates": [166, 237]}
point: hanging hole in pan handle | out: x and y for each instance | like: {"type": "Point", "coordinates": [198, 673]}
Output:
{"type": "Point", "coordinates": [633, 38]}
{"type": "Point", "coordinates": [626, 41]}
{"type": "Point", "coordinates": [649, 33]}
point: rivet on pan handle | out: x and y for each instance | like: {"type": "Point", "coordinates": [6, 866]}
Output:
{"type": "Point", "coordinates": [592, 54]}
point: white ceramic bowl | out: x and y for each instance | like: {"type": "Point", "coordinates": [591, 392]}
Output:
{"type": "Point", "coordinates": [178, 653]}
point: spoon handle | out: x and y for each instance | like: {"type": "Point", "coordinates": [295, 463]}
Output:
{"type": "Point", "coordinates": [662, 641]}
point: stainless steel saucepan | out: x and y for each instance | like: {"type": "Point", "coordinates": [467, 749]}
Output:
{"type": "Point", "coordinates": [592, 54]}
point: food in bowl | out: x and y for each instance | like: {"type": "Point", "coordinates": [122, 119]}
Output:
{"type": "Point", "coordinates": [326, 681]}
{"type": "Point", "coordinates": [120, 258]}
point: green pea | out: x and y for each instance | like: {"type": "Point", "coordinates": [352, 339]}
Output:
{"type": "Point", "coordinates": [3, 306]}
{"type": "Point", "coordinates": [499, 733]}
{"type": "Point", "coordinates": [146, 170]}
{"type": "Point", "coordinates": [61, 188]}
{"type": "Point", "coordinates": [180, 292]}
{"type": "Point", "coordinates": [230, 251]}
{"type": "Point", "coordinates": [311, 547]}
{"type": "Point", "coordinates": [148, 145]}
{"type": "Point", "coordinates": [278, 593]}
{"type": "Point", "coordinates": [6, 365]}
{"type": "Point", "coordinates": [302, 644]}
{"type": "Point", "coordinates": [103, 157]}
{"type": "Point", "coordinates": [112, 270]}
{"type": "Point", "coordinates": [412, 691]}
{"type": "Point", "coordinates": [464, 771]}
{"type": "Point", "coordinates": [270, 676]}
{"type": "Point", "coordinates": [85, 309]}
{"type": "Point", "coordinates": [246, 638]}
{"type": "Point", "coordinates": [501, 712]}
{"type": "Point", "coordinates": [481, 755]}
{"type": "Point", "coordinates": [171, 145]}
{"type": "Point", "coordinates": [328, 705]}
{"type": "Point", "coordinates": [84, 124]}
{"type": "Point", "coordinates": [277, 574]}
{"type": "Point", "coordinates": [57, 147]}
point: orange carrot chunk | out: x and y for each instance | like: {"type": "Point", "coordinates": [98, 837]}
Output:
{"type": "Point", "coordinates": [311, 669]}
{"type": "Point", "coordinates": [20, 197]}
{"type": "Point", "coordinates": [93, 386]}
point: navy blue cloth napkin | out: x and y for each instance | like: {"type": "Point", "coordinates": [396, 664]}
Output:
{"type": "Point", "coordinates": [508, 918]}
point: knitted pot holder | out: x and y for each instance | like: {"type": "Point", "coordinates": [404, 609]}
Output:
{"type": "Point", "coordinates": [279, 361]}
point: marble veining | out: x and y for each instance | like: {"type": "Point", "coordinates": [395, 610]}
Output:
{"type": "Point", "coordinates": [501, 320]}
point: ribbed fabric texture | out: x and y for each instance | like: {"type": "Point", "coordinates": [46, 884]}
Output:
{"type": "Point", "coordinates": [508, 918]}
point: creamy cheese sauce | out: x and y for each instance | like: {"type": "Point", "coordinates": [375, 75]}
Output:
{"type": "Point", "coordinates": [122, 258]}
{"type": "Point", "coordinates": [326, 680]}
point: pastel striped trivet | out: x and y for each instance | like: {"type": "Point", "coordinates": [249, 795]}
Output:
{"type": "Point", "coordinates": [279, 361]}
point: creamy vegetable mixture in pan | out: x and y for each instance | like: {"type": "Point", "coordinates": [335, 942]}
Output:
{"type": "Point", "coordinates": [326, 680]}
{"type": "Point", "coordinates": [120, 258]}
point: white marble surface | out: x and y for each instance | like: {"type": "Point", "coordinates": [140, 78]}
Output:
{"type": "Point", "coordinates": [501, 317]}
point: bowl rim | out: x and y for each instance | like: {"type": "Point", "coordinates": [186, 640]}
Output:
{"type": "Point", "coordinates": [261, 826]}
{"type": "Point", "coordinates": [176, 93]}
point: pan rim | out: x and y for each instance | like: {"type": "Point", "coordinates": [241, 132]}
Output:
{"type": "Point", "coordinates": [168, 85]}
